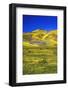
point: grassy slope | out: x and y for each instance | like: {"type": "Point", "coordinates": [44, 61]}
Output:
{"type": "Point", "coordinates": [40, 58]}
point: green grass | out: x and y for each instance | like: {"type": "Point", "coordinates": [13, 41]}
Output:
{"type": "Point", "coordinates": [39, 60]}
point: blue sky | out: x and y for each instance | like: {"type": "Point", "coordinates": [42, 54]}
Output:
{"type": "Point", "coordinates": [33, 22]}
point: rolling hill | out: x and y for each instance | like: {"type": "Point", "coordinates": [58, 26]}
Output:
{"type": "Point", "coordinates": [41, 38]}
{"type": "Point", "coordinates": [40, 52]}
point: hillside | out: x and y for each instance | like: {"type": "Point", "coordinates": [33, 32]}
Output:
{"type": "Point", "coordinates": [40, 37]}
{"type": "Point", "coordinates": [40, 52]}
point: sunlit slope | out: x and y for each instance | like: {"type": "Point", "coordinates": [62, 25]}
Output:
{"type": "Point", "coordinates": [40, 38]}
{"type": "Point", "coordinates": [38, 34]}
{"type": "Point", "coordinates": [51, 38]}
{"type": "Point", "coordinates": [40, 52]}
{"type": "Point", "coordinates": [28, 44]}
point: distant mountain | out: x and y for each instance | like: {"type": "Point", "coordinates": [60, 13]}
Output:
{"type": "Point", "coordinates": [40, 38]}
